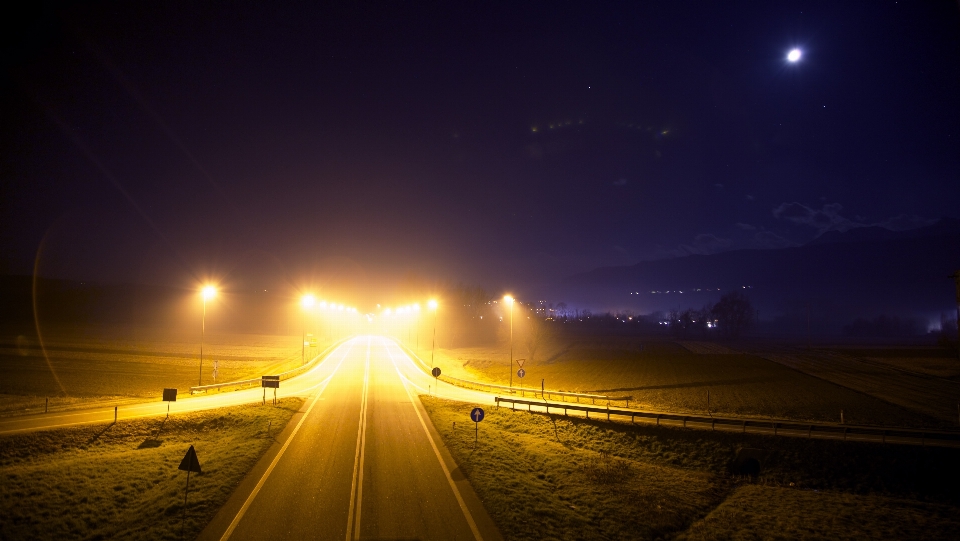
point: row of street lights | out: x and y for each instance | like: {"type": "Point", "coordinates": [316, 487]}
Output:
{"type": "Point", "coordinates": [307, 301]}
{"type": "Point", "coordinates": [433, 305]}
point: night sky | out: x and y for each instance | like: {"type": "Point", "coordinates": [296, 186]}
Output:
{"type": "Point", "coordinates": [508, 145]}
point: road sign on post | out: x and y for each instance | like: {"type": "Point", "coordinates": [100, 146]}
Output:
{"type": "Point", "coordinates": [169, 395]}
{"type": "Point", "coordinates": [190, 463]}
{"type": "Point", "coordinates": [270, 382]}
{"type": "Point", "coordinates": [520, 362]}
{"type": "Point", "coordinates": [436, 374]}
{"type": "Point", "coordinates": [476, 415]}
{"type": "Point", "coordinates": [520, 374]}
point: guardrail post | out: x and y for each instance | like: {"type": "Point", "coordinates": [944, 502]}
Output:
{"type": "Point", "coordinates": [713, 424]}
{"type": "Point", "coordinates": [658, 419]}
{"type": "Point", "coordinates": [744, 426]}
{"type": "Point", "coordinates": [564, 411]}
{"type": "Point", "coordinates": [684, 421]}
{"type": "Point", "coordinates": [774, 428]}
{"type": "Point", "coordinates": [588, 414]}
{"type": "Point", "coordinates": [810, 432]}
{"type": "Point", "coordinates": [608, 411]}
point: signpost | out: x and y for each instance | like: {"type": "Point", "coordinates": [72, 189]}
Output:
{"type": "Point", "coordinates": [476, 415]}
{"type": "Point", "coordinates": [169, 395]}
{"type": "Point", "coordinates": [520, 374]}
{"type": "Point", "coordinates": [216, 371]}
{"type": "Point", "coordinates": [190, 463]}
{"type": "Point", "coordinates": [436, 374]}
{"type": "Point", "coordinates": [270, 382]}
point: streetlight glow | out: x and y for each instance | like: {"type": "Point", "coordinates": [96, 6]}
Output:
{"type": "Point", "coordinates": [794, 55]}
{"type": "Point", "coordinates": [208, 292]}
{"type": "Point", "coordinates": [308, 300]}
{"type": "Point", "coordinates": [432, 304]}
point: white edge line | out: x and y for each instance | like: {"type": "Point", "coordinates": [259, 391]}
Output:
{"type": "Point", "coordinates": [453, 485]}
{"type": "Point", "coordinates": [276, 459]}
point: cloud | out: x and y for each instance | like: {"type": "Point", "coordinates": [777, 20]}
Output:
{"type": "Point", "coordinates": [745, 227]}
{"type": "Point", "coordinates": [827, 218]}
{"type": "Point", "coordinates": [620, 182]}
{"type": "Point", "coordinates": [751, 198]}
{"type": "Point", "coordinates": [768, 240]}
{"type": "Point", "coordinates": [905, 222]}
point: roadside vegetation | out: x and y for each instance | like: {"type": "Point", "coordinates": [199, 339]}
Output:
{"type": "Point", "coordinates": [554, 477]}
{"type": "Point", "coordinates": [78, 369]}
{"type": "Point", "coordinates": [120, 481]}
{"type": "Point", "coordinates": [663, 375]}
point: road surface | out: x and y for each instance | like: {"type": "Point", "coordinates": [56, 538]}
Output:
{"type": "Point", "coordinates": [361, 462]}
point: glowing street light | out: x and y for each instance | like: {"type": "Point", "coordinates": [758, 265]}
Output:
{"type": "Point", "coordinates": [306, 302]}
{"type": "Point", "coordinates": [433, 306]}
{"type": "Point", "coordinates": [794, 55]}
{"type": "Point", "coordinates": [208, 292]}
{"type": "Point", "coordinates": [509, 300]}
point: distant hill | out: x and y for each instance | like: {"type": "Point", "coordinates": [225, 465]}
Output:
{"type": "Point", "coordinates": [860, 272]}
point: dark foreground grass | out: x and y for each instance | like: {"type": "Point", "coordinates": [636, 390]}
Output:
{"type": "Point", "coordinates": [550, 477]}
{"type": "Point", "coordinates": [120, 481]}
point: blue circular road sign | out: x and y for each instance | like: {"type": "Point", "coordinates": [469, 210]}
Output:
{"type": "Point", "coordinates": [521, 373]}
{"type": "Point", "coordinates": [476, 415]}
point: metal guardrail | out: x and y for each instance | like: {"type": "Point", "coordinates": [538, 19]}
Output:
{"type": "Point", "coordinates": [255, 382]}
{"type": "Point", "coordinates": [905, 436]}
{"type": "Point", "coordinates": [490, 387]}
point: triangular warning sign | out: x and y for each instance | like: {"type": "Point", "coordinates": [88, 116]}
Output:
{"type": "Point", "coordinates": [190, 461]}
{"type": "Point", "coordinates": [520, 362]}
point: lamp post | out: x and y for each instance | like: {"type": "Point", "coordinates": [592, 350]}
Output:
{"type": "Point", "coordinates": [509, 300]}
{"type": "Point", "coordinates": [207, 293]}
{"type": "Point", "coordinates": [433, 348]}
{"type": "Point", "coordinates": [416, 308]}
{"type": "Point", "coordinates": [306, 302]}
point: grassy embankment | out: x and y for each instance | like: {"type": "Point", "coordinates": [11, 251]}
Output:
{"type": "Point", "coordinates": [120, 481]}
{"type": "Point", "coordinates": [114, 368]}
{"type": "Point", "coordinates": [665, 376]}
{"type": "Point", "coordinates": [550, 477]}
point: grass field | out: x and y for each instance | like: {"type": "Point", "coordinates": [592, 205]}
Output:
{"type": "Point", "coordinates": [550, 477]}
{"type": "Point", "coordinates": [79, 368]}
{"type": "Point", "coordinates": [120, 481]}
{"type": "Point", "coordinates": [665, 376]}
{"type": "Point", "coordinates": [932, 361]}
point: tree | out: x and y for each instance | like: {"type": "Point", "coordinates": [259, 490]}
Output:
{"type": "Point", "coordinates": [734, 313]}
{"type": "Point", "coordinates": [539, 333]}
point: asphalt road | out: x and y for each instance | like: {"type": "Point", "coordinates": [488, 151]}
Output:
{"type": "Point", "coordinates": [362, 461]}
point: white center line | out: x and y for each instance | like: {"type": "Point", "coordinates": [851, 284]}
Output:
{"type": "Point", "coordinates": [356, 488]}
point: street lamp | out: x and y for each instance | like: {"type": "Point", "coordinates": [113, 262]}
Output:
{"type": "Point", "coordinates": [509, 300]}
{"type": "Point", "coordinates": [208, 292]}
{"type": "Point", "coordinates": [306, 302]}
{"type": "Point", "coordinates": [433, 306]}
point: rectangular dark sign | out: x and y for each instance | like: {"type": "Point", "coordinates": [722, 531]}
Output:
{"type": "Point", "coordinates": [270, 382]}
{"type": "Point", "coordinates": [169, 395]}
